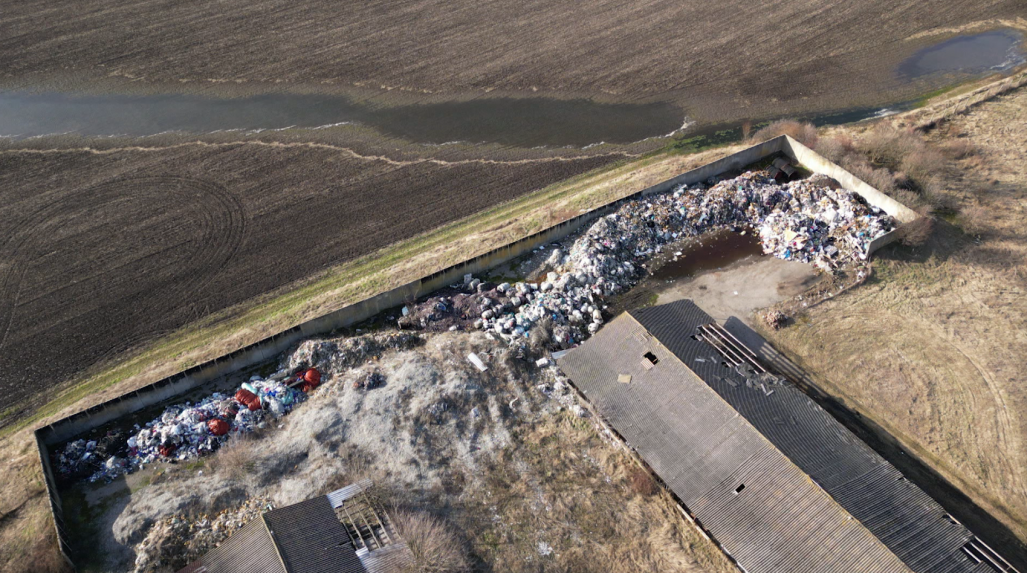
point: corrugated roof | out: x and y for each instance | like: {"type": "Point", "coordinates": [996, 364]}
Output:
{"type": "Point", "coordinates": [705, 447]}
{"type": "Point", "coordinates": [249, 550]}
{"type": "Point", "coordinates": [901, 515]}
{"type": "Point", "coordinates": [311, 539]}
{"type": "Point", "coordinates": [388, 559]}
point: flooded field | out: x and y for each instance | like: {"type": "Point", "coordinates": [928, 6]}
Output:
{"type": "Point", "coordinates": [507, 121]}
{"type": "Point", "coordinates": [988, 52]}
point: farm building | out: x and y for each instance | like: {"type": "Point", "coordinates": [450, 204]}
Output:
{"type": "Point", "coordinates": [779, 483]}
{"type": "Point", "coordinates": [342, 532]}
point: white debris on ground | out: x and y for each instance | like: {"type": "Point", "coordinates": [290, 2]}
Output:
{"type": "Point", "coordinates": [433, 405]}
{"type": "Point", "coordinates": [174, 536]}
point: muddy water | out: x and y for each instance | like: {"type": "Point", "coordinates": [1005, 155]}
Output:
{"type": "Point", "coordinates": [713, 251]}
{"type": "Point", "coordinates": [529, 122]}
{"type": "Point", "coordinates": [988, 52]}
{"type": "Point", "coordinates": [516, 122]}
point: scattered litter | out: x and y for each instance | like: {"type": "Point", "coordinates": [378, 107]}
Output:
{"type": "Point", "coordinates": [373, 380]}
{"type": "Point", "coordinates": [477, 362]}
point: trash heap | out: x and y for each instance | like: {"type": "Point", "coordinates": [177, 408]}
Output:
{"type": "Point", "coordinates": [807, 220]}
{"type": "Point", "coordinates": [189, 430]}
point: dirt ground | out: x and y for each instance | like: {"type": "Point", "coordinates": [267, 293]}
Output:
{"type": "Point", "coordinates": [104, 252]}
{"type": "Point", "coordinates": [932, 347]}
{"type": "Point", "coordinates": [722, 61]}
{"type": "Point", "coordinates": [743, 287]}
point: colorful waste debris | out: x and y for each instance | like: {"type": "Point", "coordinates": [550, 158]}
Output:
{"type": "Point", "coordinates": [185, 431]}
{"type": "Point", "coordinates": [809, 220]}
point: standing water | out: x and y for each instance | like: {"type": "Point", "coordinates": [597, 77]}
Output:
{"type": "Point", "coordinates": [710, 252]}
{"type": "Point", "coordinates": [995, 51]}
{"type": "Point", "coordinates": [506, 121]}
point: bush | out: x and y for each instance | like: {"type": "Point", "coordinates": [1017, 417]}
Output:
{"type": "Point", "coordinates": [880, 178]}
{"type": "Point", "coordinates": [959, 148]}
{"type": "Point", "coordinates": [916, 233]}
{"type": "Point", "coordinates": [804, 133]}
{"type": "Point", "coordinates": [974, 219]}
{"type": "Point", "coordinates": [922, 165]}
{"type": "Point", "coordinates": [885, 144]}
{"type": "Point", "coordinates": [642, 483]}
{"type": "Point", "coordinates": [834, 148]}
{"type": "Point", "coordinates": [435, 548]}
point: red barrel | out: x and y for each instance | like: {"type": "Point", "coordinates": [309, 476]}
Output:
{"type": "Point", "coordinates": [312, 376]}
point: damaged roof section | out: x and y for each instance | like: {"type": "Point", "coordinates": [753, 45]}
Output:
{"type": "Point", "coordinates": [342, 532]}
{"type": "Point", "coordinates": [779, 483]}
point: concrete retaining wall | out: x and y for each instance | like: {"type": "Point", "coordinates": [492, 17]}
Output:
{"type": "Point", "coordinates": [269, 348]}
{"type": "Point", "coordinates": [819, 164]}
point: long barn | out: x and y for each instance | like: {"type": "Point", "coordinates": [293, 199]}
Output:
{"type": "Point", "coordinates": [779, 483]}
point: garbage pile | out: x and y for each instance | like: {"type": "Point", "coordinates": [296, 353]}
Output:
{"type": "Point", "coordinates": [805, 220]}
{"type": "Point", "coordinates": [175, 541]}
{"type": "Point", "coordinates": [342, 353]}
{"type": "Point", "coordinates": [187, 431]}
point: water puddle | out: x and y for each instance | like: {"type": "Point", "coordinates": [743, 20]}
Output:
{"type": "Point", "coordinates": [978, 54]}
{"type": "Point", "coordinates": [506, 121]}
{"type": "Point", "coordinates": [710, 252]}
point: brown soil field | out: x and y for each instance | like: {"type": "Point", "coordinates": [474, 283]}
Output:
{"type": "Point", "coordinates": [102, 252]}
{"type": "Point", "coordinates": [932, 348]}
{"type": "Point", "coordinates": [721, 60]}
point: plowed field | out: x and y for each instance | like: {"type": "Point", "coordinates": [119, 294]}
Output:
{"type": "Point", "coordinates": [102, 252]}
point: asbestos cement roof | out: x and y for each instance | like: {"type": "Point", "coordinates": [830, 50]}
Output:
{"type": "Point", "coordinates": [303, 538]}
{"type": "Point", "coordinates": [778, 482]}
{"type": "Point", "coordinates": [249, 550]}
{"type": "Point", "coordinates": [311, 539]}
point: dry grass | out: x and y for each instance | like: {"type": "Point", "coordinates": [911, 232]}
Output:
{"type": "Point", "coordinates": [435, 547]}
{"type": "Point", "coordinates": [642, 483]}
{"type": "Point", "coordinates": [932, 347]}
{"type": "Point", "coordinates": [804, 133]}
{"type": "Point", "coordinates": [28, 541]}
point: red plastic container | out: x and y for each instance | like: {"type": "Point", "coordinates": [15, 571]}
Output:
{"type": "Point", "coordinates": [217, 426]}
{"type": "Point", "coordinates": [312, 376]}
{"type": "Point", "coordinates": [248, 399]}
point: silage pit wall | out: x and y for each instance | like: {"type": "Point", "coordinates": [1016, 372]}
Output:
{"type": "Point", "coordinates": [271, 347]}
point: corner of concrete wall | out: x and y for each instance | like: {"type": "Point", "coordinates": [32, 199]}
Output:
{"type": "Point", "coordinates": [819, 164]}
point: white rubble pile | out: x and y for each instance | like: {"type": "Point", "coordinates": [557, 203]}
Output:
{"type": "Point", "coordinates": [804, 220]}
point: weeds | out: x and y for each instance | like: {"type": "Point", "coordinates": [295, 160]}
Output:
{"type": "Point", "coordinates": [804, 133]}
{"type": "Point", "coordinates": [436, 549]}
{"type": "Point", "coordinates": [642, 483]}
